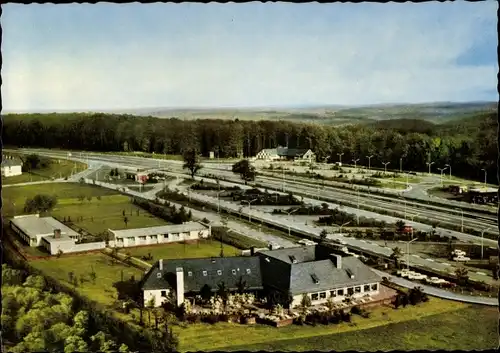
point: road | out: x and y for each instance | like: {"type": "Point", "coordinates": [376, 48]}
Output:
{"type": "Point", "coordinates": [441, 293]}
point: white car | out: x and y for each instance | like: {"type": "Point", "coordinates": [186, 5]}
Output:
{"type": "Point", "coordinates": [417, 276]}
{"type": "Point", "coordinates": [461, 259]}
{"type": "Point", "coordinates": [436, 280]}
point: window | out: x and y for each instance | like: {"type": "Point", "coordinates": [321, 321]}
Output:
{"type": "Point", "coordinates": [190, 274]}
{"type": "Point", "coordinates": [205, 273]}
{"type": "Point", "coordinates": [314, 296]}
{"type": "Point", "coordinates": [322, 295]}
{"type": "Point", "coordinates": [350, 291]}
{"type": "Point", "coordinates": [333, 294]}
{"type": "Point", "coordinates": [163, 293]}
{"type": "Point", "coordinates": [248, 271]}
{"type": "Point", "coordinates": [374, 286]}
{"type": "Point", "coordinates": [340, 292]}
{"type": "Point", "coordinates": [366, 288]}
{"type": "Point", "coordinates": [219, 272]}
{"type": "Point", "coordinates": [234, 272]}
{"type": "Point", "coordinates": [357, 289]}
{"type": "Point", "coordinates": [158, 275]}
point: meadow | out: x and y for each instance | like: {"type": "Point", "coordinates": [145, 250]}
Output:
{"type": "Point", "coordinates": [59, 168]}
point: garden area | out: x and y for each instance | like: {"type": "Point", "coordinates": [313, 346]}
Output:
{"type": "Point", "coordinates": [260, 198]}
{"type": "Point", "coordinates": [233, 336]}
{"type": "Point", "coordinates": [44, 169]}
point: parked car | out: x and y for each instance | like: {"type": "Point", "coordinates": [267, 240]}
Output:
{"type": "Point", "coordinates": [417, 276]}
{"type": "Point", "coordinates": [461, 259]}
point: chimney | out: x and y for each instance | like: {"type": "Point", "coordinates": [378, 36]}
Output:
{"type": "Point", "coordinates": [337, 260]}
{"type": "Point", "coordinates": [57, 233]}
{"type": "Point", "coordinates": [160, 264]}
{"type": "Point", "coordinates": [179, 275]}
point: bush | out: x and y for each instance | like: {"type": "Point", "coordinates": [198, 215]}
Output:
{"type": "Point", "coordinates": [299, 321]}
{"type": "Point", "coordinates": [210, 318]}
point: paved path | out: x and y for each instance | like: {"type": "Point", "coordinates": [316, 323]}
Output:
{"type": "Point", "coordinates": [441, 293]}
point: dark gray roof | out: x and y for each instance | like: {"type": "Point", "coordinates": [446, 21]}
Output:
{"type": "Point", "coordinates": [239, 264]}
{"type": "Point", "coordinates": [299, 253]}
{"type": "Point", "coordinates": [291, 152]}
{"type": "Point", "coordinates": [301, 275]}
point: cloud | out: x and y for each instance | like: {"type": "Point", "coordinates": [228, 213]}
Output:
{"type": "Point", "coordinates": [399, 53]}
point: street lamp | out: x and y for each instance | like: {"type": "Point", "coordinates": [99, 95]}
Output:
{"type": "Point", "coordinates": [218, 200]}
{"type": "Point", "coordinates": [249, 209]}
{"type": "Point", "coordinates": [340, 158]}
{"type": "Point", "coordinates": [408, 252]}
{"type": "Point", "coordinates": [340, 227]}
{"type": "Point", "coordinates": [442, 170]}
{"type": "Point", "coordinates": [385, 166]}
{"type": "Point", "coordinates": [355, 161]}
{"type": "Point", "coordinates": [449, 166]}
{"type": "Point", "coordinates": [369, 158]}
{"type": "Point", "coordinates": [401, 164]}
{"type": "Point", "coordinates": [485, 176]}
{"type": "Point", "coordinates": [404, 199]}
{"type": "Point", "coordinates": [482, 239]}
{"type": "Point", "coordinates": [429, 164]}
{"type": "Point", "coordinates": [461, 210]}
{"type": "Point", "coordinates": [289, 213]}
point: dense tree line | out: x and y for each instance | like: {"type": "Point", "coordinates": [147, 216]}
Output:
{"type": "Point", "coordinates": [468, 145]}
{"type": "Point", "coordinates": [167, 212]}
{"type": "Point", "coordinates": [35, 319]}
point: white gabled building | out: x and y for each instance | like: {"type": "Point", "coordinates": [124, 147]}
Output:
{"type": "Point", "coordinates": [160, 235]}
{"type": "Point", "coordinates": [11, 167]}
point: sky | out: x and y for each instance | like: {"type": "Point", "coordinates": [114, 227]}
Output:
{"type": "Point", "coordinates": [128, 56]}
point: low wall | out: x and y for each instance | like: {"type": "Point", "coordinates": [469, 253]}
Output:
{"type": "Point", "coordinates": [88, 246]}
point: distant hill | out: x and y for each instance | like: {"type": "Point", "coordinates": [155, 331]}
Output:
{"type": "Point", "coordinates": [437, 113]}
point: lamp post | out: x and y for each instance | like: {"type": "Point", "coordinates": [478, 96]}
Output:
{"type": "Point", "coordinates": [407, 182]}
{"type": "Point", "coordinates": [340, 158]}
{"type": "Point", "coordinates": [355, 161]}
{"type": "Point", "coordinates": [289, 213]}
{"type": "Point", "coordinates": [482, 239]}
{"type": "Point", "coordinates": [404, 199]}
{"type": "Point", "coordinates": [449, 166]}
{"type": "Point", "coordinates": [408, 252]}
{"type": "Point", "coordinates": [357, 214]}
{"type": "Point", "coordinates": [429, 165]}
{"type": "Point", "coordinates": [442, 170]}
{"type": "Point", "coordinates": [485, 175]}
{"type": "Point", "coordinates": [249, 209]}
{"type": "Point", "coordinates": [340, 227]}
{"type": "Point", "coordinates": [218, 200]}
{"type": "Point", "coordinates": [369, 158]}
{"type": "Point", "coordinates": [401, 164]}
{"type": "Point", "coordinates": [385, 166]}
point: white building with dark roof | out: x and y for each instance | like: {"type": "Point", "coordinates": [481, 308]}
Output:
{"type": "Point", "coordinates": [160, 234]}
{"type": "Point", "coordinates": [313, 271]}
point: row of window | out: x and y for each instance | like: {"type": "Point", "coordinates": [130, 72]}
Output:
{"type": "Point", "coordinates": [205, 273]}
{"type": "Point", "coordinates": [340, 292]}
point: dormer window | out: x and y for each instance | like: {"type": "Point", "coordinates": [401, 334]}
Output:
{"type": "Point", "coordinates": [248, 271]}
{"type": "Point", "coordinates": [205, 273]}
{"type": "Point", "coordinates": [158, 275]}
{"type": "Point", "coordinates": [234, 272]}
{"type": "Point", "coordinates": [219, 272]}
{"type": "Point", "coordinates": [190, 274]}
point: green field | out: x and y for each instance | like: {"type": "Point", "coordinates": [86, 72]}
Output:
{"type": "Point", "coordinates": [473, 328]}
{"type": "Point", "coordinates": [225, 336]}
{"type": "Point", "coordinates": [98, 215]}
{"type": "Point", "coordinates": [59, 168]}
{"type": "Point", "coordinates": [204, 248]}
{"type": "Point", "coordinates": [107, 273]}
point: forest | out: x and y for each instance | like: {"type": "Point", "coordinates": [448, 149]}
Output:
{"type": "Point", "coordinates": [468, 144]}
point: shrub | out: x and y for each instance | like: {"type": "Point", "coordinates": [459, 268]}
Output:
{"type": "Point", "coordinates": [299, 320]}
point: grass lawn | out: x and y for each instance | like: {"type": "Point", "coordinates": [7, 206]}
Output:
{"type": "Point", "coordinates": [107, 213]}
{"type": "Point", "coordinates": [411, 180]}
{"type": "Point", "coordinates": [390, 185]}
{"type": "Point", "coordinates": [472, 328]}
{"type": "Point", "coordinates": [225, 336]}
{"type": "Point", "coordinates": [205, 248]}
{"type": "Point", "coordinates": [14, 197]}
{"type": "Point", "coordinates": [59, 168]}
{"type": "Point", "coordinates": [102, 291]}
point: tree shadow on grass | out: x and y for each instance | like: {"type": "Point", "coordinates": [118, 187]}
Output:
{"type": "Point", "coordinates": [128, 289]}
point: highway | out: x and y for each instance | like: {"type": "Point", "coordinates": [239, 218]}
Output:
{"type": "Point", "coordinates": [172, 166]}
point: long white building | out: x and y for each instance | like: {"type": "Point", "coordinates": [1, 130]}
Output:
{"type": "Point", "coordinates": [161, 234]}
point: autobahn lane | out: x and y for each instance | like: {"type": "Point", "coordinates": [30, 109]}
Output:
{"type": "Point", "coordinates": [432, 214]}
